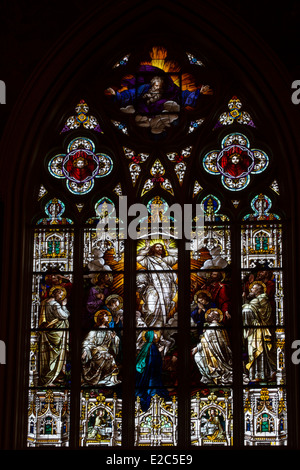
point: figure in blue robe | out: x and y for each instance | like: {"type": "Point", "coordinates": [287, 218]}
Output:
{"type": "Point", "coordinates": [148, 372]}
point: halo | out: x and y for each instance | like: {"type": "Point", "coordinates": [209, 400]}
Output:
{"type": "Point", "coordinates": [96, 277]}
{"type": "Point", "coordinates": [114, 296]}
{"type": "Point", "coordinates": [58, 287]}
{"type": "Point", "coordinates": [156, 338]}
{"type": "Point", "coordinates": [211, 270]}
{"type": "Point", "coordinates": [107, 312]}
{"type": "Point", "coordinates": [221, 315]}
{"type": "Point", "coordinates": [200, 291]}
{"type": "Point", "coordinates": [258, 282]}
{"type": "Point", "coordinates": [154, 241]}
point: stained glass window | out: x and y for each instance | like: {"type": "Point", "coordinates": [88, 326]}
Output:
{"type": "Point", "coordinates": [158, 269]}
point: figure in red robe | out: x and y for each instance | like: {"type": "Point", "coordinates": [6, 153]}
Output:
{"type": "Point", "coordinates": [235, 162]}
{"type": "Point", "coordinates": [219, 292]}
{"type": "Point", "coordinates": [80, 166]}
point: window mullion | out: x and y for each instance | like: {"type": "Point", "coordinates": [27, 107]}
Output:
{"type": "Point", "coordinates": [184, 366]}
{"type": "Point", "coordinates": [129, 344]}
{"type": "Point", "coordinates": [236, 336]}
{"type": "Point", "coordinates": [76, 339]}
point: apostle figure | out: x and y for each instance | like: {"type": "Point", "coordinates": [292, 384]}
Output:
{"type": "Point", "coordinates": [213, 354]}
{"type": "Point", "coordinates": [257, 314]}
{"type": "Point", "coordinates": [53, 336]}
{"type": "Point", "coordinates": [212, 424]}
{"type": "Point", "coordinates": [102, 426]}
{"type": "Point", "coordinates": [99, 350]}
{"type": "Point", "coordinates": [203, 303]}
{"type": "Point", "coordinates": [219, 291]}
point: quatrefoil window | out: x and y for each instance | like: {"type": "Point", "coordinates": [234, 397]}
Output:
{"type": "Point", "coordinates": [235, 162]}
{"type": "Point", "coordinates": [80, 165]}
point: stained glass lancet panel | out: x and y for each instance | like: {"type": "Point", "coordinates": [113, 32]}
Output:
{"type": "Point", "coordinates": [210, 331]}
{"type": "Point", "coordinates": [156, 394]}
{"type": "Point", "coordinates": [102, 330]}
{"type": "Point", "coordinates": [265, 406]}
{"type": "Point", "coordinates": [51, 313]}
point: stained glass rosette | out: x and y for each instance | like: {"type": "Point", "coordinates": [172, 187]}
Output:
{"type": "Point", "coordinates": [235, 162]}
{"type": "Point", "coordinates": [80, 166]}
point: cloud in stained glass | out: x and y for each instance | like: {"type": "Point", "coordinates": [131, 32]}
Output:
{"type": "Point", "coordinates": [235, 162]}
{"type": "Point", "coordinates": [80, 165]}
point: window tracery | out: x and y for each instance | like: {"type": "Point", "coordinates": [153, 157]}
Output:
{"type": "Point", "coordinates": [73, 251]}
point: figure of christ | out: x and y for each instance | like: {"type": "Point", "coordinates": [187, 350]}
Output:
{"type": "Point", "coordinates": [80, 167]}
{"type": "Point", "coordinates": [235, 163]}
{"type": "Point", "coordinates": [158, 287]}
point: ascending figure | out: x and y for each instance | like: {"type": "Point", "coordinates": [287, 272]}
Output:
{"type": "Point", "coordinates": [159, 285]}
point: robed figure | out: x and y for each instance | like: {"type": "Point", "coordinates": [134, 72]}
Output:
{"type": "Point", "coordinates": [257, 319]}
{"type": "Point", "coordinates": [159, 286]}
{"type": "Point", "coordinates": [54, 345]}
{"type": "Point", "coordinates": [213, 355]}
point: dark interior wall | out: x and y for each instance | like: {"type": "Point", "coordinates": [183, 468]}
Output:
{"type": "Point", "coordinates": [50, 47]}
